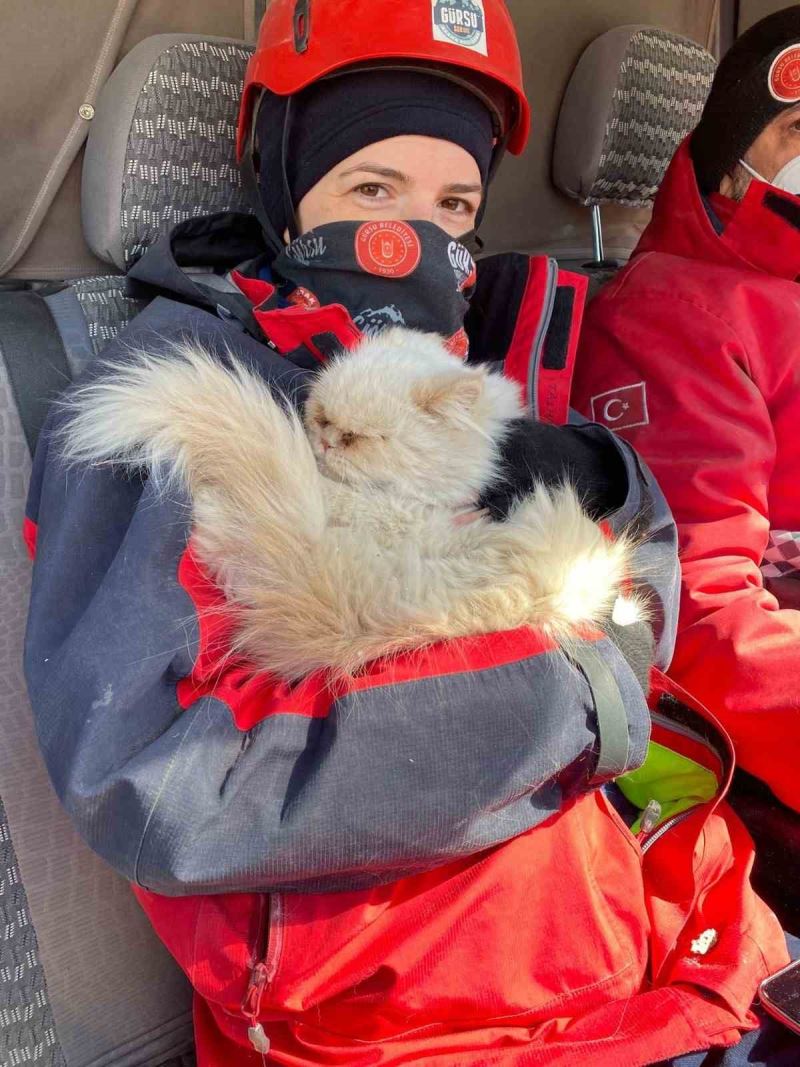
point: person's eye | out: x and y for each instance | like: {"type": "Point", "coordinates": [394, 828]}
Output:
{"type": "Point", "coordinates": [456, 206]}
{"type": "Point", "coordinates": [372, 191]}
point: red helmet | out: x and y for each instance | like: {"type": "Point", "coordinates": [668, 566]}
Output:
{"type": "Point", "coordinates": [469, 41]}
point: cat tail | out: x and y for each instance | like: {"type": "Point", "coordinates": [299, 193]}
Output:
{"type": "Point", "coordinates": [295, 588]}
{"type": "Point", "coordinates": [578, 571]}
{"type": "Point", "coordinates": [215, 430]}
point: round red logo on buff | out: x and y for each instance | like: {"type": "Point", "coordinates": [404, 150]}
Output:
{"type": "Point", "coordinates": [784, 75]}
{"type": "Point", "coordinates": [389, 249]}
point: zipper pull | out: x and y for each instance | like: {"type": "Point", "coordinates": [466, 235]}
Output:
{"type": "Point", "coordinates": [651, 817]}
{"type": "Point", "coordinates": [258, 1039]}
{"type": "Point", "coordinates": [251, 1004]}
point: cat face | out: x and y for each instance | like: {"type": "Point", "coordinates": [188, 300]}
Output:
{"type": "Point", "coordinates": [402, 413]}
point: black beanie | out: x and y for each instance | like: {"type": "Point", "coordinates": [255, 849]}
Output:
{"type": "Point", "coordinates": [338, 116]}
{"type": "Point", "coordinates": [747, 94]}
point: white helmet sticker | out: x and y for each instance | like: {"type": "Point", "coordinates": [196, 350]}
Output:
{"type": "Point", "coordinates": [460, 22]}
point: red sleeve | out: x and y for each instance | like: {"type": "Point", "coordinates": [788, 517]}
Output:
{"type": "Point", "coordinates": [708, 435]}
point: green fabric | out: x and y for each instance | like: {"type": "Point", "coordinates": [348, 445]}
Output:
{"type": "Point", "coordinates": [674, 781]}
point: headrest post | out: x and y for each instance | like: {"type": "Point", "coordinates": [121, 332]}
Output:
{"type": "Point", "coordinates": [597, 235]}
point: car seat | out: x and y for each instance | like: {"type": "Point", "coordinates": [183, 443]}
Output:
{"type": "Point", "coordinates": [634, 95]}
{"type": "Point", "coordinates": [83, 980]}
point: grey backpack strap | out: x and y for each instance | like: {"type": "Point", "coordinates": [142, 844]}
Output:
{"type": "Point", "coordinates": [32, 350]}
{"type": "Point", "coordinates": [612, 719]}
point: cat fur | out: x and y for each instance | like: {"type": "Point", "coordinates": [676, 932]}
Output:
{"type": "Point", "coordinates": [334, 550]}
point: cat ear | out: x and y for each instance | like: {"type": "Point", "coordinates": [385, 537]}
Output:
{"type": "Point", "coordinates": [449, 395]}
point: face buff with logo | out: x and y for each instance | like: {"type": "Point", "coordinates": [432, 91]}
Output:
{"type": "Point", "coordinates": [385, 273]}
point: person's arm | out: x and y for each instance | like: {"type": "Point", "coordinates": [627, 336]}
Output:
{"type": "Point", "coordinates": [189, 774]}
{"type": "Point", "coordinates": [710, 442]}
{"type": "Point", "coordinates": [603, 470]}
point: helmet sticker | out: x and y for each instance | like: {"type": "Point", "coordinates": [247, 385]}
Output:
{"type": "Point", "coordinates": [389, 249]}
{"type": "Point", "coordinates": [461, 22]}
{"type": "Point", "coordinates": [784, 75]}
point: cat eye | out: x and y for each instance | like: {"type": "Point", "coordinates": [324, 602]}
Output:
{"type": "Point", "coordinates": [348, 438]}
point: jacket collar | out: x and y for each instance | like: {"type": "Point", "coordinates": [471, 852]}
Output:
{"type": "Point", "coordinates": [221, 242]}
{"type": "Point", "coordinates": [763, 234]}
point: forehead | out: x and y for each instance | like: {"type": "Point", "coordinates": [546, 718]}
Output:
{"type": "Point", "coordinates": [358, 387]}
{"type": "Point", "coordinates": [416, 159]}
{"type": "Point", "coordinates": [783, 122]}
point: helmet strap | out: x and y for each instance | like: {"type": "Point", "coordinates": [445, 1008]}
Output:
{"type": "Point", "coordinates": [471, 240]}
{"type": "Point", "coordinates": [288, 203]}
{"type": "Point", "coordinates": [247, 169]}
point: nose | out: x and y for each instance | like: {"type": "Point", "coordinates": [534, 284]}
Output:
{"type": "Point", "coordinates": [418, 207]}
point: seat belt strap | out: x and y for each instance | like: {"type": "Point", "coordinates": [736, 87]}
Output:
{"type": "Point", "coordinates": [71, 323]}
{"type": "Point", "coordinates": [31, 348]}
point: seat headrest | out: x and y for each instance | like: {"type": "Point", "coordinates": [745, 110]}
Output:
{"type": "Point", "coordinates": [633, 97]}
{"type": "Point", "coordinates": [161, 147]}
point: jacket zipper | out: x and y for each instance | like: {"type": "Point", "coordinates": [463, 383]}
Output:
{"type": "Point", "coordinates": [648, 840]}
{"type": "Point", "coordinates": [678, 728]}
{"type": "Point", "coordinates": [541, 334]}
{"type": "Point", "coordinates": [265, 965]}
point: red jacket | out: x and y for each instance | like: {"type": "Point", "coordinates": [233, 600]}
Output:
{"type": "Point", "coordinates": [577, 942]}
{"type": "Point", "coordinates": [580, 941]}
{"type": "Point", "coordinates": [692, 354]}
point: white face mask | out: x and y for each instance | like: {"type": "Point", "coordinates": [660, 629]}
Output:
{"type": "Point", "coordinates": [787, 178]}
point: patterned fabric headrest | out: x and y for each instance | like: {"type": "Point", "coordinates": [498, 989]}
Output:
{"type": "Point", "coordinates": [633, 97]}
{"type": "Point", "coordinates": [161, 145]}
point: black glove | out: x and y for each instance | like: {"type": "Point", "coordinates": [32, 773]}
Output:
{"type": "Point", "coordinates": [536, 452]}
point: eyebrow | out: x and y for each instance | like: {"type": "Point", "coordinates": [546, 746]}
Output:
{"type": "Point", "coordinates": [461, 188]}
{"type": "Point", "coordinates": [403, 179]}
{"type": "Point", "coordinates": [382, 172]}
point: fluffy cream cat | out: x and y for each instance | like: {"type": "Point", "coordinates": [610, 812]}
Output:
{"type": "Point", "coordinates": [337, 543]}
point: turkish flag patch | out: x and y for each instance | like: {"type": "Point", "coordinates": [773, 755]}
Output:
{"type": "Point", "coordinates": [623, 408]}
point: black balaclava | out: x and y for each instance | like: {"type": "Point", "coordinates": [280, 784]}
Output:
{"type": "Point", "coordinates": [338, 116]}
{"type": "Point", "coordinates": [749, 90]}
